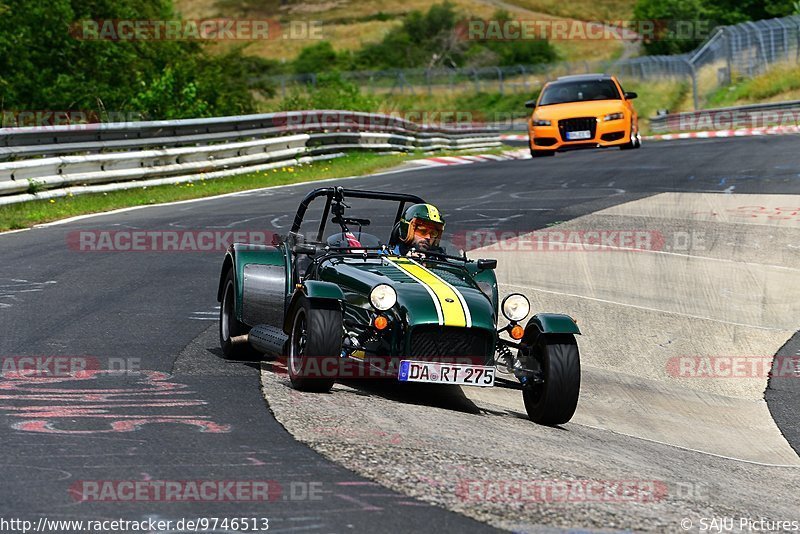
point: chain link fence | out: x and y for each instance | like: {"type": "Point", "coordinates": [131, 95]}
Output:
{"type": "Point", "coordinates": [732, 52]}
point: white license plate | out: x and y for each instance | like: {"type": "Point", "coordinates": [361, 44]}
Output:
{"type": "Point", "coordinates": [582, 134]}
{"type": "Point", "coordinates": [446, 373]}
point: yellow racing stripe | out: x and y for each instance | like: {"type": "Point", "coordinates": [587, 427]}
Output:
{"type": "Point", "coordinates": [449, 301]}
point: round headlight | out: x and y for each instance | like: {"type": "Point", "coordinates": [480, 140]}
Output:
{"type": "Point", "coordinates": [516, 307]}
{"type": "Point", "coordinates": [383, 297]}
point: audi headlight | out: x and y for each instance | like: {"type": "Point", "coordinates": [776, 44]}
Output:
{"type": "Point", "coordinates": [541, 122]}
{"type": "Point", "coordinates": [383, 297]}
{"type": "Point", "coordinates": [516, 307]}
{"type": "Point", "coordinates": [614, 117]}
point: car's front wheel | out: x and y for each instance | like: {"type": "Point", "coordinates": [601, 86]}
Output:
{"type": "Point", "coordinates": [635, 141]}
{"type": "Point", "coordinates": [542, 153]}
{"type": "Point", "coordinates": [553, 399]}
{"type": "Point", "coordinates": [315, 346]}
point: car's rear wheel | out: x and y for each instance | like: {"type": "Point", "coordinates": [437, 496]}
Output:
{"type": "Point", "coordinates": [315, 347]}
{"type": "Point", "coordinates": [553, 400]}
{"type": "Point", "coordinates": [229, 326]}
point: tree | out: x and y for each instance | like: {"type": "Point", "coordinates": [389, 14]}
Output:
{"type": "Point", "coordinates": [668, 13]}
{"type": "Point", "coordinates": [665, 14]}
{"type": "Point", "coordinates": [46, 63]}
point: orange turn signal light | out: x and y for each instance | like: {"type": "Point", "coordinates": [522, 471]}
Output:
{"type": "Point", "coordinates": [381, 322]}
{"type": "Point", "coordinates": [517, 332]}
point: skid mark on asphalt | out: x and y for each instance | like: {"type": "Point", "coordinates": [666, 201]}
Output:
{"type": "Point", "coordinates": [205, 315]}
{"type": "Point", "coordinates": [12, 288]}
{"type": "Point", "coordinates": [74, 404]}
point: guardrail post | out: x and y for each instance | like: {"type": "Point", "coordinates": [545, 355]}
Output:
{"type": "Point", "coordinates": [729, 56]}
{"type": "Point", "coordinates": [797, 51]}
{"type": "Point", "coordinates": [693, 74]}
{"type": "Point", "coordinates": [500, 78]}
{"type": "Point", "coordinates": [428, 81]}
{"type": "Point", "coordinates": [525, 83]}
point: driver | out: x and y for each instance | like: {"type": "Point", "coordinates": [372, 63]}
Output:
{"type": "Point", "coordinates": [420, 228]}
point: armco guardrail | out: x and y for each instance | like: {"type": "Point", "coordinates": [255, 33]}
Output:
{"type": "Point", "coordinates": [730, 118]}
{"type": "Point", "coordinates": [77, 158]}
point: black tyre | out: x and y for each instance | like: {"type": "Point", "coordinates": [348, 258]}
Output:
{"type": "Point", "coordinates": [635, 141]}
{"type": "Point", "coordinates": [554, 401]}
{"type": "Point", "coordinates": [229, 326]}
{"type": "Point", "coordinates": [314, 342]}
{"type": "Point", "coordinates": [542, 153]}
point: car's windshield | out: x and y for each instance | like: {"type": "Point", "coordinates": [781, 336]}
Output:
{"type": "Point", "coordinates": [579, 91]}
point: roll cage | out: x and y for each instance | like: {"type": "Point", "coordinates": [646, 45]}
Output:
{"type": "Point", "coordinates": [335, 203]}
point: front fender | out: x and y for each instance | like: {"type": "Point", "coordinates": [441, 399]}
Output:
{"type": "Point", "coordinates": [551, 323]}
{"type": "Point", "coordinates": [321, 294]}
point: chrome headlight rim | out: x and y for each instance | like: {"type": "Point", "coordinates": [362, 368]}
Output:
{"type": "Point", "coordinates": [383, 297]}
{"type": "Point", "coordinates": [617, 116]}
{"type": "Point", "coordinates": [515, 313]}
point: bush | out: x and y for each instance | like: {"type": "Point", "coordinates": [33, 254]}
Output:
{"type": "Point", "coordinates": [44, 67]}
{"type": "Point", "coordinates": [433, 39]}
{"type": "Point", "coordinates": [331, 92]}
{"type": "Point", "coordinates": [320, 57]}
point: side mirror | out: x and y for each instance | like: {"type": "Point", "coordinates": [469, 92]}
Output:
{"type": "Point", "coordinates": [485, 265]}
{"type": "Point", "coordinates": [305, 248]}
{"type": "Point", "coordinates": [530, 104]}
{"type": "Point", "coordinates": [631, 96]}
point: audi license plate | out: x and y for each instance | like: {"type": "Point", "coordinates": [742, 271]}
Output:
{"type": "Point", "coordinates": [582, 134]}
{"type": "Point", "coordinates": [446, 373]}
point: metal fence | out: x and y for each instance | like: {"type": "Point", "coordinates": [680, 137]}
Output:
{"type": "Point", "coordinates": [759, 116]}
{"type": "Point", "coordinates": [732, 52]}
{"type": "Point", "coordinates": [91, 158]}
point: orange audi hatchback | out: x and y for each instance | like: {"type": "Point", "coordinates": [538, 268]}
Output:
{"type": "Point", "coordinates": [583, 111]}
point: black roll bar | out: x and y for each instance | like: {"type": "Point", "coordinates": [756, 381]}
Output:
{"type": "Point", "coordinates": [339, 194]}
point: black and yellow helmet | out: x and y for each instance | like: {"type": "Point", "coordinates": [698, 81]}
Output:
{"type": "Point", "coordinates": [417, 213]}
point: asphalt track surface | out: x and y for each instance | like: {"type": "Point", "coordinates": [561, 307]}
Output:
{"type": "Point", "coordinates": [147, 309]}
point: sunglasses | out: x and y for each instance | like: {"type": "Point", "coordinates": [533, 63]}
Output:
{"type": "Point", "coordinates": [427, 231]}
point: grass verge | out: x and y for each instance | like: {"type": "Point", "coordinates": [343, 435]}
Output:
{"type": "Point", "coordinates": [777, 84]}
{"type": "Point", "coordinates": [28, 214]}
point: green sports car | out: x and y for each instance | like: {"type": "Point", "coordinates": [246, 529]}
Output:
{"type": "Point", "coordinates": [347, 306]}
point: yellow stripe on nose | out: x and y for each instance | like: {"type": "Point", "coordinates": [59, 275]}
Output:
{"type": "Point", "coordinates": [450, 303]}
